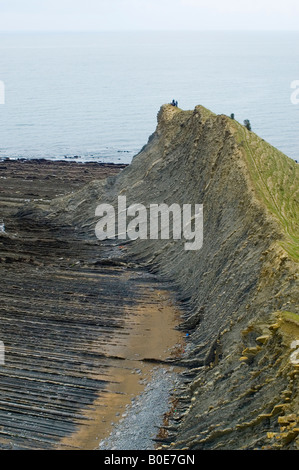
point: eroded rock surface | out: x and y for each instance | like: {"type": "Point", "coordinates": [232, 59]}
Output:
{"type": "Point", "coordinates": [239, 291]}
{"type": "Point", "coordinates": [241, 385]}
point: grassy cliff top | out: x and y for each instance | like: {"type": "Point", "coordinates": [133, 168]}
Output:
{"type": "Point", "coordinates": [275, 179]}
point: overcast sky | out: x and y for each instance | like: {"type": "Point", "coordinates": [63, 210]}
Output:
{"type": "Point", "coordinates": [103, 15]}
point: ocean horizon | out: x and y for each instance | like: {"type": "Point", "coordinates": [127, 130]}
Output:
{"type": "Point", "coordinates": [95, 96]}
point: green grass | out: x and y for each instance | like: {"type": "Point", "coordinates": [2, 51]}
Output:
{"type": "Point", "coordinates": [206, 113]}
{"type": "Point", "coordinates": [276, 180]}
{"type": "Point", "coordinates": [289, 315]}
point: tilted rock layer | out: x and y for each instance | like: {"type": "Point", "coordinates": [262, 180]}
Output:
{"type": "Point", "coordinates": [238, 291]}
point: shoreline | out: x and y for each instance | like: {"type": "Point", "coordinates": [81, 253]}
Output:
{"type": "Point", "coordinates": [66, 161]}
{"type": "Point", "coordinates": [48, 161]}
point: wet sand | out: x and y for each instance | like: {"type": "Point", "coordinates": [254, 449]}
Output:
{"type": "Point", "coordinates": [152, 335]}
{"type": "Point", "coordinates": [75, 330]}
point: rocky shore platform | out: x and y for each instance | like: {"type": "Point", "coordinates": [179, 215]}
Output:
{"type": "Point", "coordinates": [83, 329]}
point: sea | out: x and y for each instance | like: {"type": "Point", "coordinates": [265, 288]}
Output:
{"type": "Point", "coordinates": [95, 96]}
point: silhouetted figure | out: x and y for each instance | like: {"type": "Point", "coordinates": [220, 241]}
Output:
{"type": "Point", "coordinates": [174, 103]}
{"type": "Point", "coordinates": [247, 124]}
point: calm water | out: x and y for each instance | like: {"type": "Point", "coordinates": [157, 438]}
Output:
{"type": "Point", "coordinates": [96, 95]}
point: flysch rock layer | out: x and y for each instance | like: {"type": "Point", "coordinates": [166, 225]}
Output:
{"type": "Point", "coordinates": [239, 291]}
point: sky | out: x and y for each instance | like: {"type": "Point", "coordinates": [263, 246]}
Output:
{"type": "Point", "coordinates": [112, 15]}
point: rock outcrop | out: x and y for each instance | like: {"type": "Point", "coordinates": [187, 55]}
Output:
{"type": "Point", "coordinates": [239, 291]}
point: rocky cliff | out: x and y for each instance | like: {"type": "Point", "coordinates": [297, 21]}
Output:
{"type": "Point", "coordinates": [239, 291]}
